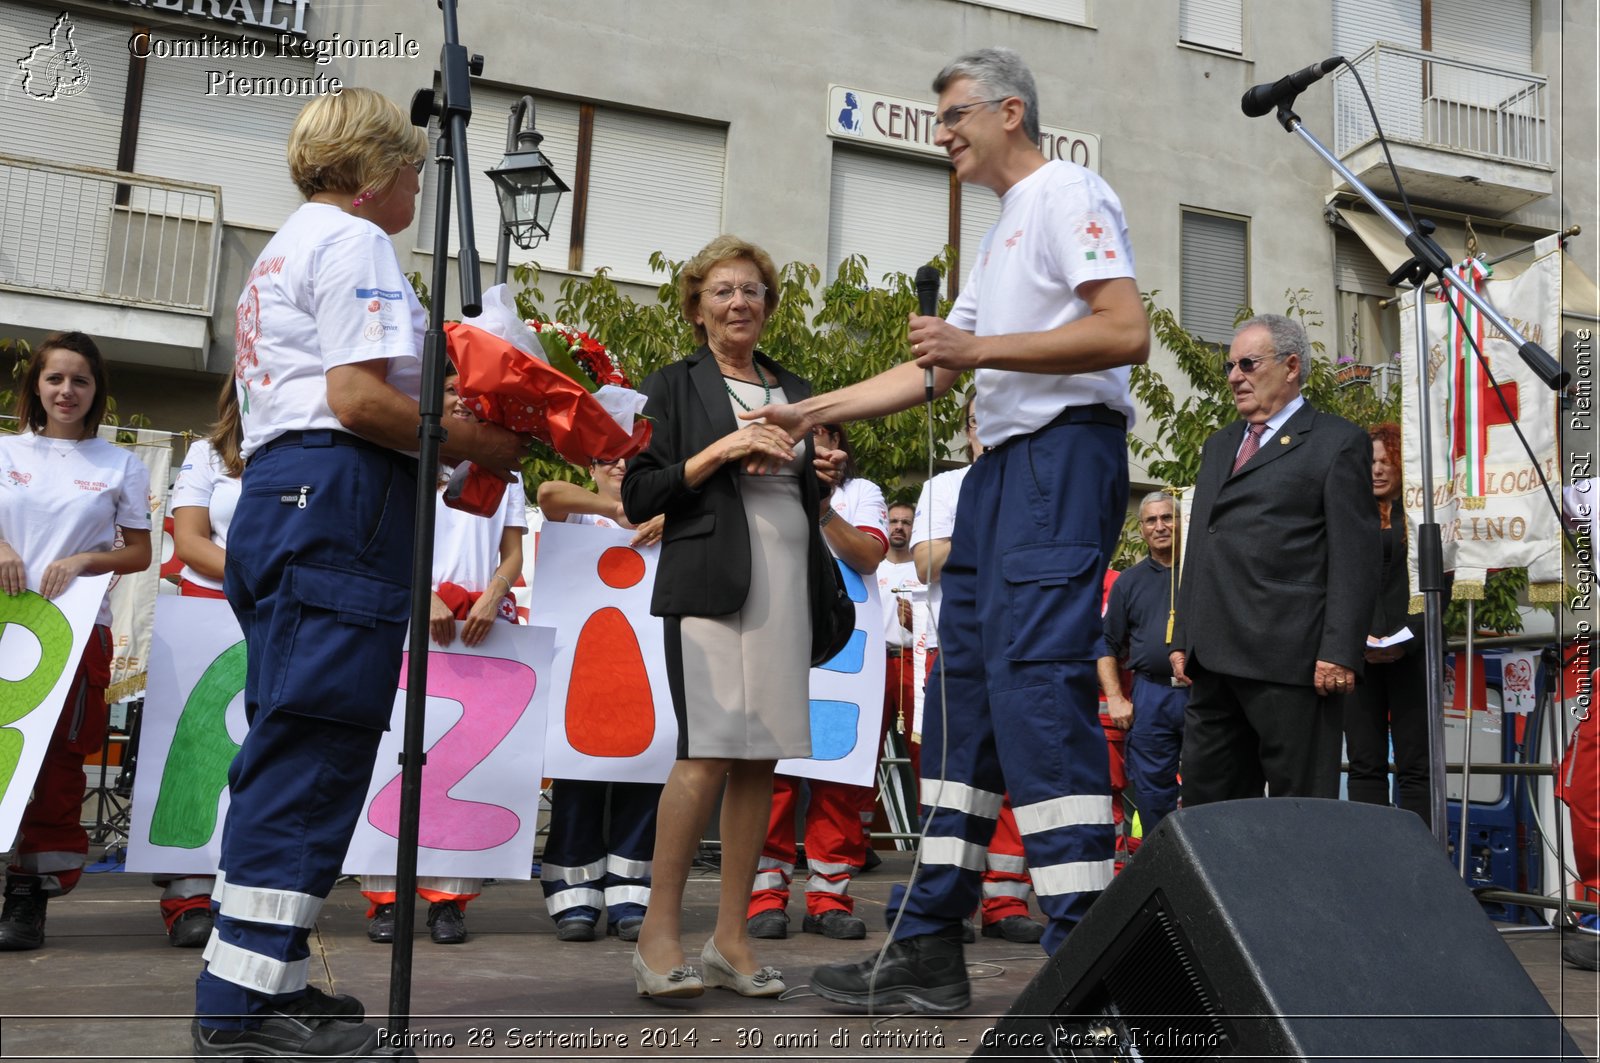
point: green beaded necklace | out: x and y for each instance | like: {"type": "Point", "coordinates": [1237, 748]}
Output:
{"type": "Point", "coordinates": [766, 387]}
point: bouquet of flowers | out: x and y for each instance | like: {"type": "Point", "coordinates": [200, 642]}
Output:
{"type": "Point", "coordinates": [543, 379]}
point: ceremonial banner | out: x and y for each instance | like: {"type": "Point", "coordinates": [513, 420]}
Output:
{"type": "Point", "coordinates": [484, 739]}
{"type": "Point", "coordinates": [1491, 508]}
{"type": "Point", "coordinates": [41, 642]}
{"type": "Point", "coordinates": [611, 717]}
{"type": "Point", "coordinates": [847, 697]}
{"type": "Point", "coordinates": [133, 596]}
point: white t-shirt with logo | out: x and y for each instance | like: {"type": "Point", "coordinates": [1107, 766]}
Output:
{"type": "Point", "coordinates": [326, 291]}
{"type": "Point", "coordinates": [936, 519]}
{"type": "Point", "coordinates": [204, 482]}
{"type": "Point", "coordinates": [466, 547]}
{"type": "Point", "coordinates": [860, 503]}
{"type": "Point", "coordinates": [1059, 227]}
{"type": "Point", "coordinates": [591, 518]}
{"type": "Point", "coordinates": [896, 580]}
{"type": "Point", "coordinates": [61, 497]}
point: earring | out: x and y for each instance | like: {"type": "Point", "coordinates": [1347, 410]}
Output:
{"type": "Point", "coordinates": [361, 200]}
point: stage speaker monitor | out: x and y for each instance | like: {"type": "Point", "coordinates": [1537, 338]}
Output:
{"type": "Point", "coordinates": [1283, 929]}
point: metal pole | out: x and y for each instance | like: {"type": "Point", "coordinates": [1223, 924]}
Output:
{"type": "Point", "coordinates": [1430, 581]}
{"type": "Point", "coordinates": [1466, 752]}
{"type": "Point", "coordinates": [454, 107]}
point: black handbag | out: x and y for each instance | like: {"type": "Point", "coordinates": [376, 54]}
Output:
{"type": "Point", "coordinates": [833, 614]}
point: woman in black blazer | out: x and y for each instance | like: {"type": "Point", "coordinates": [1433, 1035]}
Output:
{"type": "Point", "coordinates": [742, 504]}
{"type": "Point", "coordinates": [1390, 702]}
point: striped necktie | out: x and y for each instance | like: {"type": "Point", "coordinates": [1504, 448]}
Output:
{"type": "Point", "coordinates": [1252, 443]}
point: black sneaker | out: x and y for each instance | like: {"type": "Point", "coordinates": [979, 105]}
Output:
{"type": "Point", "coordinates": [1017, 929]}
{"type": "Point", "coordinates": [447, 923]}
{"type": "Point", "coordinates": [835, 923]}
{"type": "Point", "coordinates": [191, 930]}
{"type": "Point", "coordinates": [575, 929]}
{"type": "Point", "coordinates": [339, 1006]}
{"type": "Point", "coordinates": [926, 972]}
{"type": "Point", "coordinates": [297, 1030]}
{"type": "Point", "coordinates": [380, 928]}
{"type": "Point", "coordinates": [22, 918]}
{"type": "Point", "coordinates": [969, 933]}
{"type": "Point", "coordinates": [770, 925]}
{"type": "Point", "coordinates": [1580, 946]}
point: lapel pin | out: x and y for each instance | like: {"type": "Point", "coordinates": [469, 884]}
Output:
{"type": "Point", "coordinates": [1284, 440]}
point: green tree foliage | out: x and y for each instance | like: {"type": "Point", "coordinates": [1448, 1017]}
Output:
{"type": "Point", "coordinates": [832, 335]}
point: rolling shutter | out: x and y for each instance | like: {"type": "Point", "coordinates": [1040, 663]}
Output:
{"type": "Point", "coordinates": [892, 209]}
{"type": "Point", "coordinates": [1214, 274]}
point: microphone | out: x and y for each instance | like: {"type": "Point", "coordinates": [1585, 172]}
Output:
{"type": "Point", "coordinates": [1263, 98]}
{"type": "Point", "coordinates": [928, 306]}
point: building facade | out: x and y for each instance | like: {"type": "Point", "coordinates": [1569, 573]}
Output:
{"type": "Point", "coordinates": [141, 157]}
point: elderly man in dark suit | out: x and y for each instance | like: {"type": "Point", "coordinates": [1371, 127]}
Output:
{"type": "Point", "coordinates": [1278, 583]}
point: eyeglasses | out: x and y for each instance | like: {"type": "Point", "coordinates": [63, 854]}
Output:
{"type": "Point", "coordinates": [419, 164]}
{"type": "Point", "coordinates": [951, 117]}
{"type": "Point", "coordinates": [755, 293]}
{"type": "Point", "coordinates": [597, 462]}
{"type": "Point", "coordinates": [1155, 519]}
{"type": "Point", "coordinates": [1248, 365]}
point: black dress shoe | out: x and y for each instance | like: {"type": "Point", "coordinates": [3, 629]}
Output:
{"type": "Point", "coordinates": [574, 930]}
{"type": "Point", "coordinates": [1581, 949]}
{"type": "Point", "coordinates": [1017, 929]}
{"type": "Point", "coordinates": [927, 973]}
{"type": "Point", "coordinates": [447, 923]}
{"type": "Point", "coordinates": [380, 928]}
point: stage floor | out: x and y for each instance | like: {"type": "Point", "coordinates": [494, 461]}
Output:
{"type": "Point", "coordinates": [107, 985]}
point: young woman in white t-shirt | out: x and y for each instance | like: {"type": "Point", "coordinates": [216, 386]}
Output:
{"type": "Point", "coordinates": [202, 505]}
{"type": "Point", "coordinates": [71, 504]}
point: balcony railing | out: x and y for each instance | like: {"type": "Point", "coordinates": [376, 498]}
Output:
{"type": "Point", "coordinates": [1436, 102]}
{"type": "Point", "coordinates": [108, 235]}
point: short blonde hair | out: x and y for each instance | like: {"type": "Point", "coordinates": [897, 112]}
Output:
{"type": "Point", "coordinates": [352, 141]}
{"type": "Point", "coordinates": [725, 248]}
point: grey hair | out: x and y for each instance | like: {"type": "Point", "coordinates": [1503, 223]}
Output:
{"type": "Point", "coordinates": [1158, 496]}
{"type": "Point", "coordinates": [1003, 73]}
{"type": "Point", "coordinates": [1288, 337]}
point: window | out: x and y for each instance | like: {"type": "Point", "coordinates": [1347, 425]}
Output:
{"type": "Point", "coordinates": [1057, 10]}
{"type": "Point", "coordinates": [893, 210]}
{"type": "Point", "coordinates": [486, 146]}
{"type": "Point", "coordinates": [1215, 24]}
{"type": "Point", "coordinates": [1214, 273]}
{"type": "Point", "coordinates": [1368, 331]}
{"type": "Point", "coordinates": [653, 184]}
{"type": "Point", "coordinates": [234, 141]}
{"type": "Point", "coordinates": [75, 128]}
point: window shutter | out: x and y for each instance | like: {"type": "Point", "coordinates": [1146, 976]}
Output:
{"type": "Point", "coordinates": [1212, 23]}
{"type": "Point", "coordinates": [237, 142]}
{"type": "Point", "coordinates": [655, 184]}
{"type": "Point", "coordinates": [1214, 274]}
{"type": "Point", "coordinates": [77, 130]}
{"type": "Point", "coordinates": [486, 146]}
{"type": "Point", "coordinates": [980, 209]}
{"type": "Point", "coordinates": [1059, 10]}
{"type": "Point", "coordinates": [892, 209]}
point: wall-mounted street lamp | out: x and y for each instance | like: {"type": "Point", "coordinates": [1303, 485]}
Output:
{"type": "Point", "coordinates": [528, 186]}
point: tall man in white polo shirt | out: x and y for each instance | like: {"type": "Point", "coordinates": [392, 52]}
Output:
{"type": "Point", "coordinates": [1049, 320]}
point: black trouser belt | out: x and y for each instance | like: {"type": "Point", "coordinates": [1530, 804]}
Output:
{"type": "Point", "coordinates": [328, 437]}
{"type": "Point", "coordinates": [1095, 413]}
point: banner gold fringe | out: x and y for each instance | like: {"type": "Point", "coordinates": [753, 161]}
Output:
{"type": "Point", "coordinates": [124, 689]}
{"type": "Point", "coordinates": [1415, 604]}
{"type": "Point", "coordinates": [1474, 502]}
{"type": "Point", "coordinates": [1544, 593]}
{"type": "Point", "coordinates": [1467, 588]}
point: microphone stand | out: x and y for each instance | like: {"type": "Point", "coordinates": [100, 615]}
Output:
{"type": "Point", "coordinates": [1429, 259]}
{"type": "Point", "coordinates": [451, 101]}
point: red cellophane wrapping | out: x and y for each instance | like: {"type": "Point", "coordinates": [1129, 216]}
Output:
{"type": "Point", "coordinates": [511, 388]}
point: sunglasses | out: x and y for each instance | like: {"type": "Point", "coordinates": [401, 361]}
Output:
{"type": "Point", "coordinates": [1249, 365]}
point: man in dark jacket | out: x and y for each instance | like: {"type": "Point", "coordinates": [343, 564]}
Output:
{"type": "Point", "coordinates": [1278, 584]}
